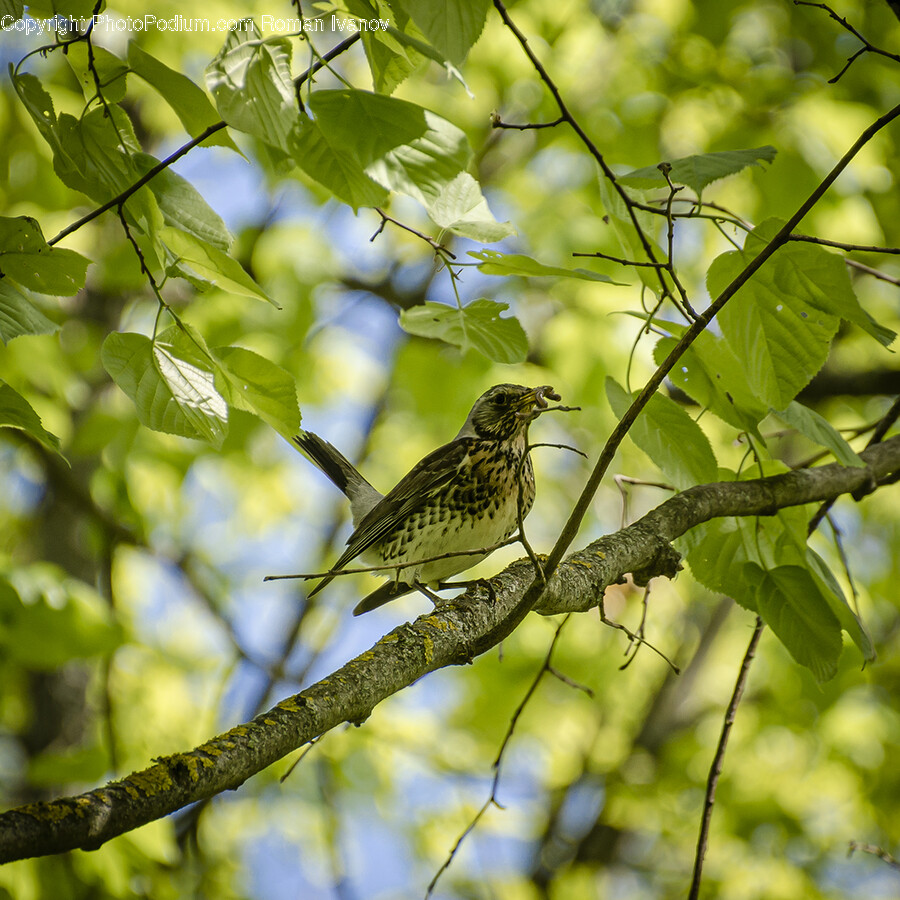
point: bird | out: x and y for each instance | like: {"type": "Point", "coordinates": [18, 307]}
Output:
{"type": "Point", "coordinates": [463, 496]}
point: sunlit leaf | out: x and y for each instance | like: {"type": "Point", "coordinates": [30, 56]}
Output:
{"type": "Point", "coordinates": [477, 326]}
{"type": "Point", "coordinates": [187, 99]}
{"type": "Point", "coordinates": [206, 266]}
{"type": "Point", "coordinates": [171, 381]}
{"type": "Point", "coordinates": [249, 381]}
{"type": "Point", "coordinates": [452, 26]}
{"type": "Point", "coordinates": [669, 436]}
{"type": "Point", "coordinates": [700, 170]}
{"type": "Point", "coordinates": [492, 262]}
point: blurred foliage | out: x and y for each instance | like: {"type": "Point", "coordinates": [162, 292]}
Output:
{"type": "Point", "coordinates": [133, 617]}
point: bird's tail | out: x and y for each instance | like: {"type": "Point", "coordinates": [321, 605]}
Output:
{"type": "Point", "coordinates": [380, 596]}
{"type": "Point", "coordinates": [341, 471]}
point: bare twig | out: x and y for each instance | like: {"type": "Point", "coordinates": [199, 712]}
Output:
{"type": "Point", "coordinates": [716, 769]}
{"type": "Point", "coordinates": [497, 122]}
{"type": "Point", "coordinates": [867, 46]}
{"type": "Point", "coordinates": [308, 576]}
{"type": "Point", "coordinates": [492, 799]}
{"type": "Point", "coordinates": [435, 245]}
{"type": "Point", "coordinates": [843, 245]}
{"type": "Point", "coordinates": [880, 852]}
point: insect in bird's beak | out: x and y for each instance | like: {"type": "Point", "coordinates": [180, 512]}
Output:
{"type": "Point", "coordinates": [535, 401]}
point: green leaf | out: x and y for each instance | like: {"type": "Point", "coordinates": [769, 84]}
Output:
{"type": "Point", "coordinates": [391, 60]}
{"type": "Point", "coordinates": [334, 167]}
{"type": "Point", "coordinates": [831, 591]}
{"type": "Point", "coordinates": [18, 315]}
{"type": "Point", "coordinates": [462, 209]}
{"type": "Point", "coordinates": [171, 381]}
{"type": "Point", "coordinates": [493, 262]}
{"type": "Point", "coordinates": [669, 436]}
{"type": "Point", "coordinates": [422, 167]}
{"type": "Point", "coordinates": [250, 382]}
{"type": "Point", "coordinates": [17, 412]}
{"type": "Point", "coordinates": [47, 619]}
{"type": "Point", "coordinates": [819, 276]}
{"type": "Point", "coordinates": [205, 266]}
{"type": "Point", "coordinates": [250, 80]}
{"type": "Point", "coordinates": [111, 71]}
{"type": "Point", "coordinates": [818, 429]}
{"type": "Point", "coordinates": [187, 99]}
{"type": "Point", "coordinates": [701, 170]}
{"type": "Point", "coordinates": [772, 324]}
{"type": "Point", "coordinates": [367, 125]}
{"type": "Point", "coordinates": [789, 601]}
{"type": "Point", "coordinates": [452, 26]}
{"type": "Point", "coordinates": [710, 372]}
{"type": "Point", "coordinates": [182, 205]}
{"type": "Point", "coordinates": [477, 326]}
{"type": "Point", "coordinates": [27, 258]}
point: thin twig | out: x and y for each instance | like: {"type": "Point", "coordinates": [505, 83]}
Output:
{"type": "Point", "coordinates": [624, 262]}
{"type": "Point", "coordinates": [880, 852]}
{"type": "Point", "coordinates": [492, 799]}
{"type": "Point", "coordinates": [308, 576]}
{"type": "Point", "coordinates": [867, 45]}
{"type": "Point", "coordinates": [435, 245]}
{"type": "Point", "coordinates": [843, 245]}
{"type": "Point", "coordinates": [716, 769]}
{"type": "Point", "coordinates": [497, 122]}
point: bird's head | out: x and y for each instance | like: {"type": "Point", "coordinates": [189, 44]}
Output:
{"type": "Point", "coordinates": [505, 409]}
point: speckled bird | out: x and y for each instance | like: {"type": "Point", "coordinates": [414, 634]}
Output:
{"type": "Point", "coordinates": [462, 496]}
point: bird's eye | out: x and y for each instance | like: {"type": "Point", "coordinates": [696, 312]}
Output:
{"type": "Point", "coordinates": [501, 399]}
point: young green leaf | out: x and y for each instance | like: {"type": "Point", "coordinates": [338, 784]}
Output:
{"type": "Point", "coordinates": [819, 276]}
{"type": "Point", "coordinates": [18, 315]}
{"type": "Point", "coordinates": [780, 336]}
{"type": "Point", "coordinates": [250, 382]}
{"type": "Point", "coordinates": [171, 382]}
{"type": "Point", "coordinates": [250, 80]}
{"type": "Point", "coordinates": [789, 601]}
{"type": "Point", "coordinates": [334, 167]}
{"type": "Point", "coordinates": [461, 208]}
{"type": "Point", "coordinates": [700, 170]}
{"type": "Point", "coordinates": [669, 436]}
{"type": "Point", "coordinates": [187, 99]}
{"type": "Point", "coordinates": [452, 26]}
{"type": "Point", "coordinates": [27, 258]}
{"type": "Point", "coordinates": [709, 372]}
{"type": "Point", "coordinates": [477, 326]}
{"type": "Point", "coordinates": [818, 429]}
{"type": "Point", "coordinates": [206, 266]}
{"type": "Point", "coordinates": [183, 206]}
{"type": "Point", "coordinates": [493, 262]}
{"type": "Point", "coordinates": [17, 412]}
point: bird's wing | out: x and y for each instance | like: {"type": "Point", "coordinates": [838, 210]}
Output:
{"type": "Point", "coordinates": [411, 494]}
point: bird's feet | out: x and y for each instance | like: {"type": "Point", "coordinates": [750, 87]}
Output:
{"type": "Point", "coordinates": [476, 582]}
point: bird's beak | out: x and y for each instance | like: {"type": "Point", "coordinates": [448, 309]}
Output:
{"type": "Point", "coordinates": [531, 404]}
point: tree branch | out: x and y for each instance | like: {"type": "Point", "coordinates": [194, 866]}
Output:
{"type": "Point", "coordinates": [453, 634]}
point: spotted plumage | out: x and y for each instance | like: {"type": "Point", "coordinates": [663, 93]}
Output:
{"type": "Point", "coordinates": [462, 496]}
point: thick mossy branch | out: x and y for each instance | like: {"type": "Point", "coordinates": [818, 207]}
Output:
{"type": "Point", "coordinates": [458, 632]}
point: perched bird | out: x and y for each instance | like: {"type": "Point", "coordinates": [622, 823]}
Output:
{"type": "Point", "coordinates": [462, 496]}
